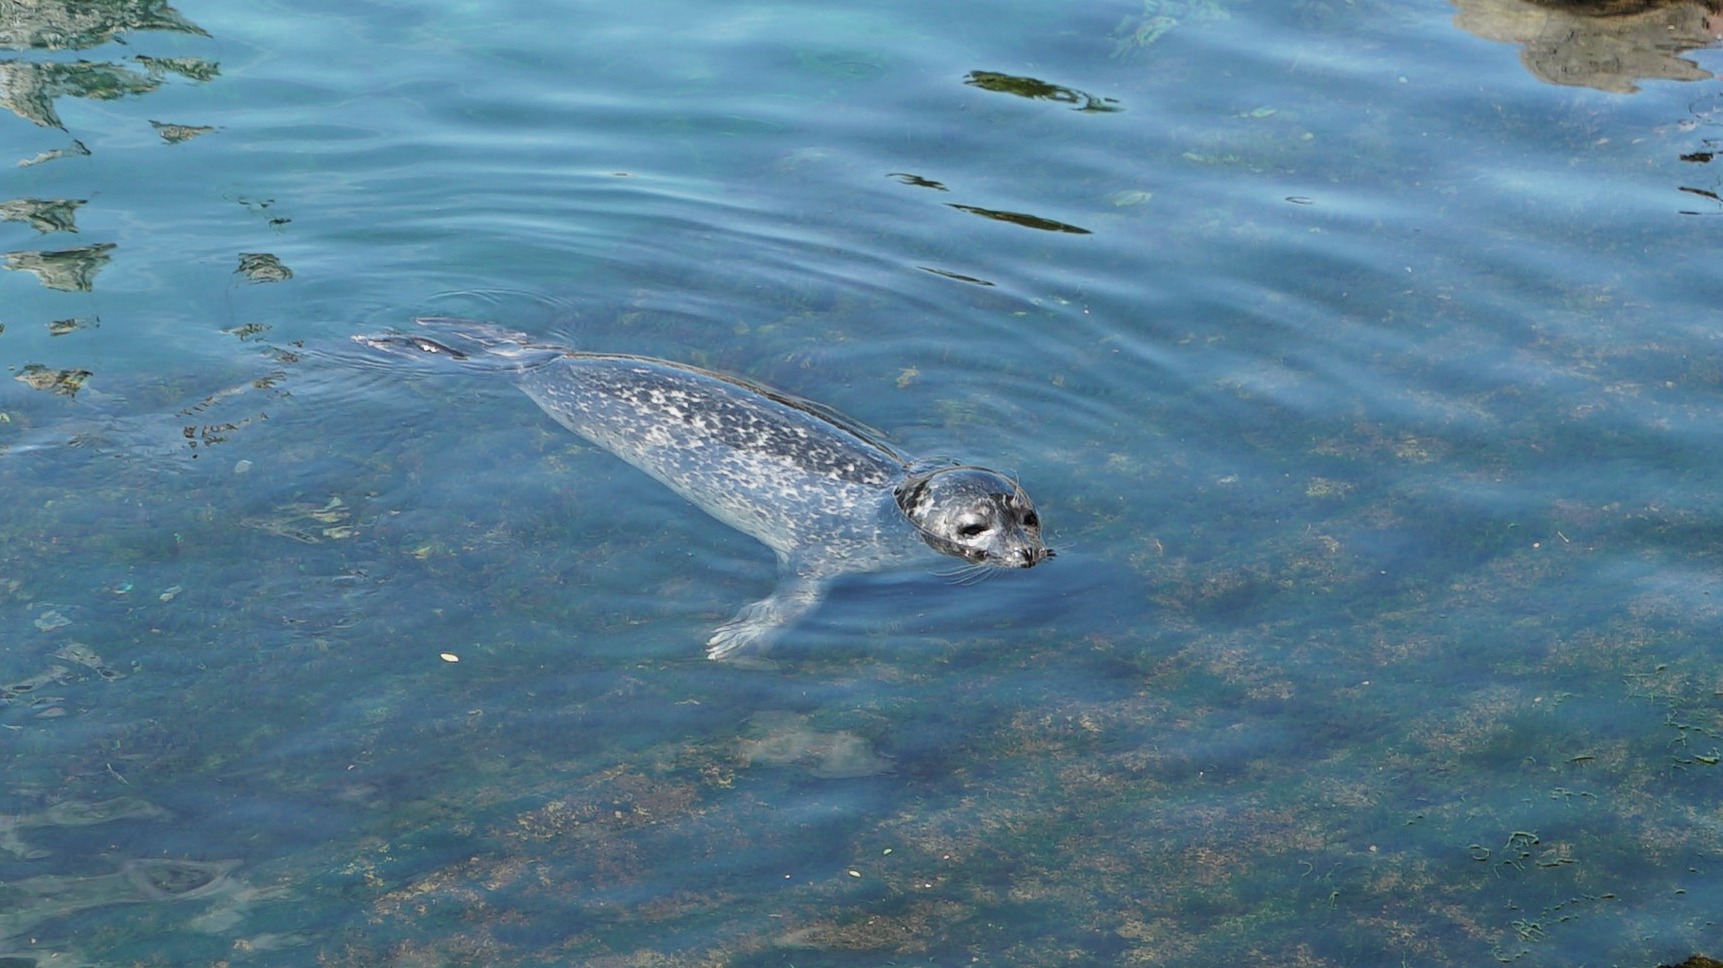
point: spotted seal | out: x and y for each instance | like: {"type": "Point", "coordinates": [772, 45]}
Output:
{"type": "Point", "coordinates": [823, 492]}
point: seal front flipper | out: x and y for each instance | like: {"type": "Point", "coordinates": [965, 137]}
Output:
{"type": "Point", "coordinates": [758, 625]}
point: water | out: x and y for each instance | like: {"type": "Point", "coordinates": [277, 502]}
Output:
{"type": "Point", "coordinates": [1367, 380]}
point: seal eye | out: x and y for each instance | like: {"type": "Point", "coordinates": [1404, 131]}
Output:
{"type": "Point", "coordinates": [1031, 520]}
{"type": "Point", "coordinates": [971, 530]}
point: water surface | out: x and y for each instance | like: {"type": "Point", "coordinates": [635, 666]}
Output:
{"type": "Point", "coordinates": [1363, 359]}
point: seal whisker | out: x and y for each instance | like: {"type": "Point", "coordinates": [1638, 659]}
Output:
{"type": "Point", "coordinates": [972, 574]}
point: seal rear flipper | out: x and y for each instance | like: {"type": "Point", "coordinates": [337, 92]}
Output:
{"type": "Point", "coordinates": [758, 625]}
{"type": "Point", "coordinates": [448, 343]}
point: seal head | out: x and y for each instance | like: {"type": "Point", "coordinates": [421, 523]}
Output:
{"type": "Point", "coordinates": [975, 514]}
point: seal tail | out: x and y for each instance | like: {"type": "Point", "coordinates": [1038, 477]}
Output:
{"type": "Point", "coordinates": [450, 343]}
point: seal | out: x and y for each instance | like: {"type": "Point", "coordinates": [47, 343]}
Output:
{"type": "Point", "coordinates": [823, 492]}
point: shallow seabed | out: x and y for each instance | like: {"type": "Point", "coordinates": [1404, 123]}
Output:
{"type": "Point", "coordinates": [1363, 358]}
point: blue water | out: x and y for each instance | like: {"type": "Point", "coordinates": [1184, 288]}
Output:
{"type": "Point", "coordinates": [1363, 359]}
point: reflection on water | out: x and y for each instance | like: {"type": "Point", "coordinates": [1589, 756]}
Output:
{"type": "Point", "coordinates": [43, 215]}
{"type": "Point", "coordinates": [1019, 218]}
{"type": "Point", "coordinates": [173, 134]}
{"type": "Point", "coordinates": [1611, 45]}
{"type": "Point", "coordinates": [262, 267]}
{"type": "Point", "coordinates": [1707, 123]}
{"type": "Point", "coordinates": [72, 270]}
{"type": "Point", "coordinates": [30, 88]}
{"type": "Point", "coordinates": [63, 327]}
{"type": "Point", "coordinates": [80, 24]}
{"type": "Point", "coordinates": [63, 382]}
